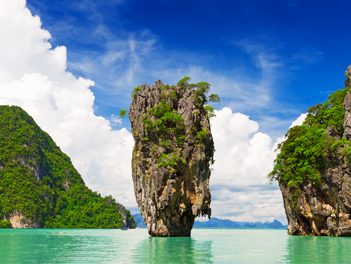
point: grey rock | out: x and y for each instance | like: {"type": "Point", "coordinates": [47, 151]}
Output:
{"type": "Point", "coordinates": [127, 220]}
{"type": "Point", "coordinates": [171, 196]}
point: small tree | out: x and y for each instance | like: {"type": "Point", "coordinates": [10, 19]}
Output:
{"type": "Point", "coordinates": [122, 113]}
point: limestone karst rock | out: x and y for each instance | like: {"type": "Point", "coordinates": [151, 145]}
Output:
{"type": "Point", "coordinates": [171, 157]}
{"type": "Point", "coordinates": [320, 205]}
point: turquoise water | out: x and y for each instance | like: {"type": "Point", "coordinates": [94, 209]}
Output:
{"type": "Point", "coordinates": [135, 246]}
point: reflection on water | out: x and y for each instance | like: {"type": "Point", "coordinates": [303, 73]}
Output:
{"type": "Point", "coordinates": [136, 246]}
{"type": "Point", "coordinates": [72, 246]}
{"type": "Point", "coordinates": [173, 250]}
{"type": "Point", "coordinates": [99, 246]}
{"type": "Point", "coordinates": [302, 249]}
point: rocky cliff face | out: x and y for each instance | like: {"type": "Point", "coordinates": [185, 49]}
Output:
{"type": "Point", "coordinates": [325, 209]}
{"type": "Point", "coordinates": [18, 220]}
{"type": "Point", "coordinates": [171, 157]}
{"type": "Point", "coordinates": [127, 219]}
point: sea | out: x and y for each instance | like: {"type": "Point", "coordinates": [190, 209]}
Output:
{"type": "Point", "coordinates": [206, 245]}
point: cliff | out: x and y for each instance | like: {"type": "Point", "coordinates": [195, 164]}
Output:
{"type": "Point", "coordinates": [313, 169]}
{"type": "Point", "coordinates": [40, 188]}
{"type": "Point", "coordinates": [172, 153]}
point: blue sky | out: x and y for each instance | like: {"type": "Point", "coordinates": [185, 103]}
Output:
{"type": "Point", "coordinates": [296, 50]}
{"type": "Point", "coordinates": [269, 61]}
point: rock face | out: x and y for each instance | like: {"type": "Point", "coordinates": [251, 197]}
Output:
{"type": "Point", "coordinates": [171, 157]}
{"type": "Point", "coordinates": [127, 219]}
{"type": "Point", "coordinates": [325, 209]}
{"type": "Point", "coordinates": [18, 220]}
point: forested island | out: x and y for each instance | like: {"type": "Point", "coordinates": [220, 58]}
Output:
{"type": "Point", "coordinates": [313, 168]}
{"type": "Point", "coordinates": [40, 188]}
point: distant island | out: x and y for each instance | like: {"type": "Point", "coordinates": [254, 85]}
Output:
{"type": "Point", "coordinates": [222, 223]}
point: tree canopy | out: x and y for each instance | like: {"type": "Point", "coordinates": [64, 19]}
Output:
{"type": "Point", "coordinates": [301, 155]}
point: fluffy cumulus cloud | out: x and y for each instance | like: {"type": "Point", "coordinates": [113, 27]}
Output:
{"type": "Point", "coordinates": [33, 76]}
{"type": "Point", "coordinates": [244, 157]}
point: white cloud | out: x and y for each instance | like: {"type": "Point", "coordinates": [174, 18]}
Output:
{"type": "Point", "coordinates": [115, 120]}
{"type": "Point", "coordinates": [299, 120]}
{"type": "Point", "coordinates": [244, 157]}
{"type": "Point", "coordinates": [34, 77]}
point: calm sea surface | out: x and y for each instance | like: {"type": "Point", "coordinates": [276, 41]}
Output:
{"type": "Point", "coordinates": [136, 246]}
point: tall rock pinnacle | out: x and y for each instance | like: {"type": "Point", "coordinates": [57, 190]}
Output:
{"type": "Point", "coordinates": [171, 157]}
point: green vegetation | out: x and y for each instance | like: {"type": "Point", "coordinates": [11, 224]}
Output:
{"type": "Point", "coordinates": [135, 92]}
{"type": "Point", "coordinates": [201, 90]}
{"type": "Point", "coordinates": [302, 154]}
{"type": "Point", "coordinates": [122, 113]}
{"type": "Point", "coordinates": [168, 125]}
{"type": "Point", "coordinates": [38, 180]}
{"type": "Point", "coordinates": [164, 127]}
{"type": "Point", "coordinates": [5, 224]}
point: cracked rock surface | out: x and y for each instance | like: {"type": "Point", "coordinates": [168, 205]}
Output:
{"type": "Point", "coordinates": [171, 156]}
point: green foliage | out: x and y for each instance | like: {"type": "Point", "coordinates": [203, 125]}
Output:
{"type": "Point", "coordinates": [122, 113]}
{"type": "Point", "coordinates": [5, 224]}
{"type": "Point", "coordinates": [169, 160]}
{"type": "Point", "coordinates": [184, 82]}
{"type": "Point", "coordinates": [201, 136]}
{"type": "Point", "coordinates": [169, 124]}
{"type": "Point", "coordinates": [331, 113]}
{"type": "Point", "coordinates": [165, 143]}
{"type": "Point", "coordinates": [168, 121]}
{"type": "Point", "coordinates": [163, 126]}
{"type": "Point", "coordinates": [201, 90]}
{"type": "Point", "coordinates": [135, 92]}
{"type": "Point", "coordinates": [302, 154]}
{"type": "Point", "coordinates": [40, 181]}
{"type": "Point", "coordinates": [214, 98]}
{"type": "Point", "coordinates": [210, 111]}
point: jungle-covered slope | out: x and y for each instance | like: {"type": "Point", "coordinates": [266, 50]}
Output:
{"type": "Point", "coordinates": [314, 171]}
{"type": "Point", "coordinates": [39, 187]}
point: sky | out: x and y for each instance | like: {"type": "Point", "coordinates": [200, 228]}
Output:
{"type": "Point", "coordinates": [72, 65]}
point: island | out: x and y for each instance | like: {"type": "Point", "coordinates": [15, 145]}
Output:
{"type": "Point", "coordinates": [313, 168]}
{"type": "Point", "coordinates": [39, 186]}
{"type": "Point", "coordinates": [172, 154]}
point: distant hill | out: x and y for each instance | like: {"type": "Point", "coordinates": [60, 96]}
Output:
{"type": "Point", "coordinates": [139, 220]}
{"type": "Point", "coordinates": [215, 222]}
{"type": "Point", "coordinates": [40, 188]}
